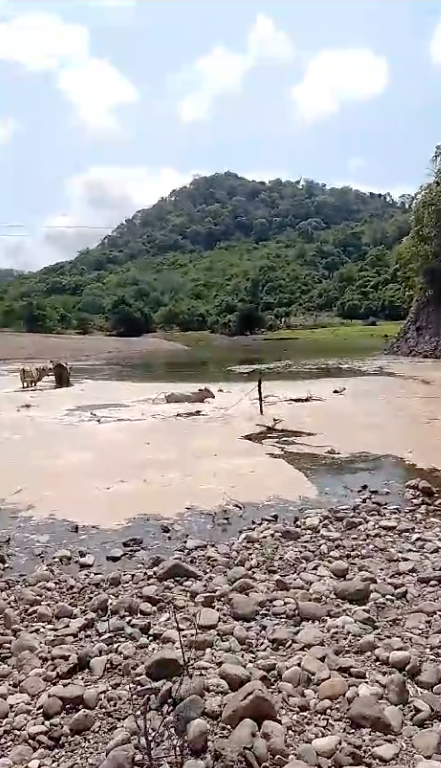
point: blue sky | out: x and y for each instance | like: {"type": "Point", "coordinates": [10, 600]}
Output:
{"type": "Point", "coordinates": [105, 105]}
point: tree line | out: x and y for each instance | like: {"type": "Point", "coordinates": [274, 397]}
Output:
{"type": "Point", "coordinates": [228, 255]}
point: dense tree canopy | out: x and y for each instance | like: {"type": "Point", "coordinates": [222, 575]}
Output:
{"type": "Point", "coordinates": [232, 255]}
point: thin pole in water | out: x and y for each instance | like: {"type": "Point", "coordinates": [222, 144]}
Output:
{"type": "Point", "coordinates": [259, 391]}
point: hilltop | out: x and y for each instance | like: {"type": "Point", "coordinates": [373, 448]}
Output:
{"type": "Point", "coordinates": [227, 254]}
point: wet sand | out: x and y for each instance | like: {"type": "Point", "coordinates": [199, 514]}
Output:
{"type": "Point", "coordinates": [44, 347]}
{"type": "Point", "coordinates": [103, 452]}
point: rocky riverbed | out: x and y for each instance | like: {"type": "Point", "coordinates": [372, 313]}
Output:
{"type": "Point", "coordinates": [311, 643]}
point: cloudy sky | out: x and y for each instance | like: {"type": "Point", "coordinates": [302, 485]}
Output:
{"type": "Point", "coordinates": [106, 105]}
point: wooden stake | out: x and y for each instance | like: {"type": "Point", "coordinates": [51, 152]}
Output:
{"type": "Point", "coordinates": [259, 391]}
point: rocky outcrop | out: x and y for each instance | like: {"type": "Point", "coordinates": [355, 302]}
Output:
{"type": "Point", "coordinates": [420, 336]}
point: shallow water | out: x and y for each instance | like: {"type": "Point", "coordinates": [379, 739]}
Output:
{"type": "Point", "coordinates": [213, 359]}
{"type": "Point", "coordinates": [110, 455]}
{"type": "Point", "coordinates": [28, 541]}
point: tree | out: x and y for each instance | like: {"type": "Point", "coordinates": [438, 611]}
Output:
{"type": "Point", "coordinates": [248, 320]}
{"type": "Point", "coordinates": [126, 319]}
{"type": "Point", "coordinates": [37, 317]}
{"type": "Point", "coordinates": [84, 323]}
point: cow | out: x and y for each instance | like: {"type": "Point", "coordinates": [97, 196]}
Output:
{"type": "Point", "coordinates": [62, 373]}
{"type": "Point", "coordinates": [30, 376]}
{"type": "Point", "coordinates": [200, 396]}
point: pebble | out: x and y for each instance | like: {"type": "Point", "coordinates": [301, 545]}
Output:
{"type": "Point", "coordinates": [197, 735]}
{"type": "Point", "coordinates": [82, 721]}
{"type": "Point", "coordinates": [332, 689]}
{"type": "Point", "coordinates": [326, 746]}
{"type": "Point", "coordinates": [386, 752]}
{"type": "Point", "coordinates": [311, 644]}
{"type": "Point", "coordinates": [399, 659]}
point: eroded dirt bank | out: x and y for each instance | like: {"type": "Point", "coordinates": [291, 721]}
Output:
{"type": "Point", "coordinates": [103, 452]}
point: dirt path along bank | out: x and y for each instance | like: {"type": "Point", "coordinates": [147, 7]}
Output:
{"type": "Point", "coordinates": [37, 346]}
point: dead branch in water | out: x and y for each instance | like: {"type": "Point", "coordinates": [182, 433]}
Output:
{"type": "Point", "coordinates": [308, 398]}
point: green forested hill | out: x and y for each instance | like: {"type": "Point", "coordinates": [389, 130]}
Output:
{"type": "Point", "coordinates": [228, 254]}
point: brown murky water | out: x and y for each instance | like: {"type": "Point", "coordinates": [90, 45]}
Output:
{"type": "Point", "coordinates": [104, 452]}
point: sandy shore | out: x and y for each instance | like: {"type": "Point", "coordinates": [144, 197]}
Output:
{"type": "Point", "coordinates": [103, 452]}
{"type": "Point", "coordinates": [43, 347]}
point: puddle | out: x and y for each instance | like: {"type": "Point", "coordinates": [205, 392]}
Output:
{"type": "Point", "coordinates": [337, 478]}
{"type": "Point", "coordinates": [96, 407]}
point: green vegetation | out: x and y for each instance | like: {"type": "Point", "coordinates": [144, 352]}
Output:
{"type": "Point", "coordinates": [341, 332]}
{"type": "Point", "coordinates": [229, 255]}
{"type": "Point", "coordinates": [420, 252]}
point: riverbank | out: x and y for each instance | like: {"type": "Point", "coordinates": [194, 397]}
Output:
{"type": "Point", "coordinates": [43, 347]}
{"type": "Point", "coordinates": [311, 643]}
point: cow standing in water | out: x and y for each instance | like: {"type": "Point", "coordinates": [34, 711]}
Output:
{"type": "Point", "coordinates": [30, 376]}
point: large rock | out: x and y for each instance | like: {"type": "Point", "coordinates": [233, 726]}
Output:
{"type": "Point", "coordinates": [197, 735]}
{"type": "Point", "coordinates": [429, 676]}
{"type": "Point", "coordinates": [326, 746]}
{"type": "Point", "coordinates": [332, 689]}
{"type": "Point", "coordinates": [52, 707]}
{"type": "Point", "coordinates": [396, 689]}
{"type": "Point", "coordinates": [25, 642]}
{"type": "Point", "coordinates": [68, 694]}
{"type": "Point", "coordinates": [399, 659]}
{"type": "Point", "coordinates": [188, 710]}
{"type": "Point", "coordinates": [252, 701]}
{"type": "Point", "coordinates": [310, 611]}
{"type": "Point", "coordinates": [164, 665]}
{"type": "Point", "coordinates": [21, 754]}
{"type": "Point", "coordinates": [82, 721]}
{"type": "Point", "coordinates": [386, 752]}
{"type": "Point", "coordinates": [426, 742]}
{"type": "Point", "coordinates": [310, 635]}
{"type": "Point", "coordinates": [119, 758]}
{"type": "Point", "coordinates": [243, 737]}
{"type": "Point", "coordinates": [274, 734]}
{"type": "Point", "coordinates": [33, 686]}
{"type": "Point", "coordinates": [234, 675]}
{"type": "Point", "coordinates": [176, 569]}
{"type": "Point", "coordinates": [208, 618]}
{"type": "Point", "coordinates": [353, 591]}
{"type": "Point", "coordinates": [366, 712]}
{"type": "Point", "coordinates": [244, 608]}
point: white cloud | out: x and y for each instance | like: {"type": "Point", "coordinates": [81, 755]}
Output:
{"type": "Point", "coordinates": [95, 87]}
{"type": "Point", "coordinates": [8, 127]}
{"type": "Point", "coordinates": [45, 43]}
{"type": "Point", "coordinates": [223, 71]}
{"type": "Point", "coordinates": [435, 45]}
{"type": "Point", "coordinates": [335, 77]}
{"type": "Point", "coordinates": [265, 41]}
{"type": "Point", "coordinates": [96, 202]}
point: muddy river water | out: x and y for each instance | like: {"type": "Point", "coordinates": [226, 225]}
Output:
{"type": "Point", "coordinates": [111, 453]}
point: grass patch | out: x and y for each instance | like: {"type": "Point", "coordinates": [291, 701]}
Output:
{"type": "Point", "coordinates": [350, 332]}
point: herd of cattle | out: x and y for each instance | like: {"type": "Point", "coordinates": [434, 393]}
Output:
{"type": "Point", "coordinates": [30, 375]}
